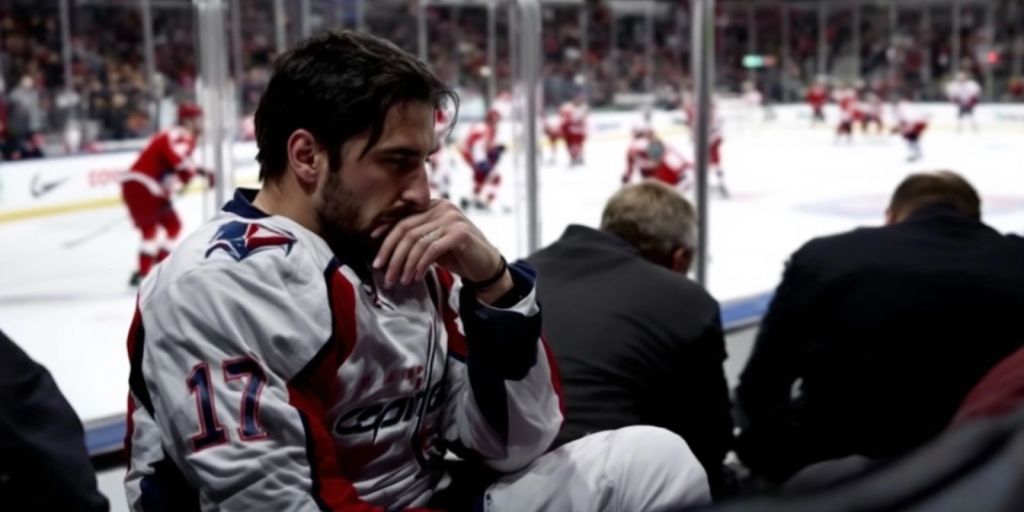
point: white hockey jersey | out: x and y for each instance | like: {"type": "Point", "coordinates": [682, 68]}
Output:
{"type": "Point", "coordinates": [267, 375]}
{"type": "Point", "coordinates": [964, 93]}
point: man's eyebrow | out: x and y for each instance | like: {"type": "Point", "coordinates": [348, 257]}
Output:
{"type": "Point", "coordinates": [406, 151]}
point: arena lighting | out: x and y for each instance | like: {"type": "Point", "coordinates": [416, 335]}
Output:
{"type": "Point", "coordinates": [755, 61]}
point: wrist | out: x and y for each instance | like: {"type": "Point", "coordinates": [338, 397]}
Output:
{"type": "Point", "coordinates": [495, 293]}
{"type": "Point", "coordinates": [494, 286]}
{"type": "Point", "coordinates": [489, 281]}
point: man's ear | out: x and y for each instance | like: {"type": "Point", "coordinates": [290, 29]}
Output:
{"type": "Point", "coordinates": [682, 258]}
{"type": "Point", "coordinates": [890, 217]}
{"type": "Point", "coordinates": [304, 157]}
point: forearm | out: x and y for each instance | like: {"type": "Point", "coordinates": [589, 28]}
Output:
{"type": "Point", "coordinates": [515, 406]}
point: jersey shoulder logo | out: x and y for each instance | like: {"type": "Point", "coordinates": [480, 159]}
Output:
{"type": "Point", "coordinates": [241, 239]}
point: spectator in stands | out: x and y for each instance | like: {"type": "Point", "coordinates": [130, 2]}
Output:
{"type": "Point", "coordinates": [25, 120]}
{"type": "Point", "coordinates": [637, 342]}
{"type": "Point", "coordinates": [43, 462]}
{"type": "Point", "coordinates": [876, 335]}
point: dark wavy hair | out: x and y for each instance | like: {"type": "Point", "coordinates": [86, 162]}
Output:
{"type": "Point", "coordinates": [336, 85]}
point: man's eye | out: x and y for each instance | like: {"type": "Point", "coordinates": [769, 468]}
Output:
{"type": "Point", "coordinates": [403, 164]}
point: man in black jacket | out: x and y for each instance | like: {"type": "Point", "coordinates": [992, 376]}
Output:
{"type": "Point", "coordinates": [876, 335]}
{"type": "Point", "coordinates": [43, 462]}
{"type": "Point", "coordinates": [637, 342]}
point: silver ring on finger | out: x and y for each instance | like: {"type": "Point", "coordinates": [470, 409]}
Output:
{"type": "Point", "coordinates": [432, 236]}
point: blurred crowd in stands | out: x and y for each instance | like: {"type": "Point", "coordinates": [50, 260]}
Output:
{"type": "Point", "coordinates": [906, 50]}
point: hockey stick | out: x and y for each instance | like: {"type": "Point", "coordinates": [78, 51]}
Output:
{"type": "Point", "coordinates": [75, 242]}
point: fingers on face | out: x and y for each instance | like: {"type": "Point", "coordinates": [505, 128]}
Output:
{"type": "Point", "coordinates": [429, 242]}
{"type": "Point", "coordinates": [416, 243]}
{"type": "Point", "coordinates": [397, 234]}
{"type": "Point", "coordinates": [454, 240]}
{"type": "Point", "coordinates": [396, 258]}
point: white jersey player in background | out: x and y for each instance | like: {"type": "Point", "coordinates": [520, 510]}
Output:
{"type": "Point", "coordinates": [910, 124]}
{"type": "Point", "coordinates": [323, 342]}
{"type": "Point", "coordinates": [965, 92]}
{"type": "Point", "coordinates": [715, 139]}
{"type": "Point", "coordinates": [440, 160]}
{"type": "Point", "coordinates": [870, 113]}
{"type": "Point", "coordinates": [553, 133]}
{"type": "Point", "coordinates": [753, 101]}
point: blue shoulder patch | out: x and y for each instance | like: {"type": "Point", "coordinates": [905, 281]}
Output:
{"type": "Point", "coordinates": [241, 239]}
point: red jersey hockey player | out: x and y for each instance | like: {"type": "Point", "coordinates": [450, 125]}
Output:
{"type": "Point", "coordinates": [965, 92]}
{"type": "Point", "coordinates": [910, 125]}
{"type": "Point", "coordinates": [649, 156]}
{"type": "Point", "coordinates": [846, 97]}
{"type": "Point", "coordinates": [817, 96]}
{"type": "Point", "coordinates": [480, 150]}
{"type": "Point", "coordinates": [574, 128]}
{"type": "Point", "coordinates": [162, 168]}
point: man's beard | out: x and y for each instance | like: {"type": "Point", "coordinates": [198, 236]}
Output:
{"type": "Point", "coordinates": [342, 226]}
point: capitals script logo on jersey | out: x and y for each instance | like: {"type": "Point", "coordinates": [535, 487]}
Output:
{"type": "Point", "coordinates": [241, 239]}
